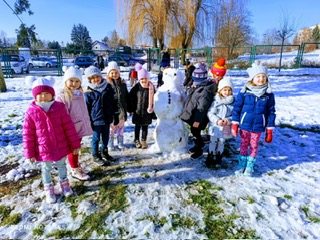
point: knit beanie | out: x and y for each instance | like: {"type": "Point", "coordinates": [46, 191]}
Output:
{"type": "Point", "coordinates": [142, 73]}
{"type": "Point", "coordinates": [257, 69]}
{"type": "Point", "coordinates": [72, 72]}
{"type": "Point", "coordinates": [200, 73]}
{"type": "Point", "coordinates": [165, 64]}
{"type": "Point", "coordinates": [225, 82]}
{"type": "Point", "coordinates": [112, 66]}
{"type": "Point", "coordinates": [137, 66]}
{"type": "Point", "coordinates": [91, 71]}
{"type": "Point", "coordinates": [41, 84]}
{"type": "Point", "coordinates": [219, 68]}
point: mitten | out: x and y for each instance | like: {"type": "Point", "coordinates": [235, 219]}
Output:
{"type": "Point", "coordinates": [31, 160]}
{"type": "Point", "coordinates": [268, 137]}
{"type": "Point", "coordinates": [234, 129]}
{"type": "Point", "coordinates": [116, 120]}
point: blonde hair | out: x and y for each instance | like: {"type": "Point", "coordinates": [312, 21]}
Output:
{"type": "Point", "coordinates": [68, 93]}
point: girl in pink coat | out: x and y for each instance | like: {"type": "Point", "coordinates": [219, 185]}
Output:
{"type": "Point", "coordinates": [49, 135]}
{"type": "Point", "coordinates": [72, 96]}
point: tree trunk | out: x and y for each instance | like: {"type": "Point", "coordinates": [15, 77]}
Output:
{"type": "Point", "coordinates": [281, 54]}
{"type": "Point", "coordinates": [3, 87]}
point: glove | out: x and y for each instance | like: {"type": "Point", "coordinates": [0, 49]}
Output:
{"type": "Point", "coordinates": [115, 120]}
{"type": "Point", "coordinates": [268, 137]}
{"type": "Point", "coordinates": [31, 160]}
{"type": "Point", "coordinates": [234, 129]}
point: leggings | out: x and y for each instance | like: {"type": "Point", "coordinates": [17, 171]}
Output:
{"type": "Point", "coordinates": [216, 145]}
{"type": "Point", "coordinates": [249, 140]}
{"type": "Point", "coordinates": [137, 132]}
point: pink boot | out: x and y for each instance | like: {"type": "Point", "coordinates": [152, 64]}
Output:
{"type": "Point", "coordinates": [65, 187]}
{"type": "Point", "coordinates": [50, 195]}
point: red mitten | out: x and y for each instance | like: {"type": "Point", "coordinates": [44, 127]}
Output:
{"type": "Point", "coordinates": [234, 129]}
{"type": "Point", "coordinates": [268, 137]}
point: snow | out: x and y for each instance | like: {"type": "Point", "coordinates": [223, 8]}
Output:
{"type": "Point", "coordinates": [286, 178]}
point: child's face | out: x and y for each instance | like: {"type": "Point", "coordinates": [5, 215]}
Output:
{"type": "Point", "coordinates": [95, 79]}
{"type": "Point", "coordinates": [44, 97]}
{"type": "Point", "coordinates": [260, 79]}
{"type": "Point", "coordinates": [114, 74]}
{"type": "Point", "coordinates": [217, 77]}
{"type": "Point", "coordinates": [226, 91]}
{"type": "Point", "coordinates": [73, 83]}
{"type": "Point", "coordinates": [144, 81]}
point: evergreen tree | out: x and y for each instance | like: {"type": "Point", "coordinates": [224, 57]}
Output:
{"type": "Point", "coordinates": [80, 37]}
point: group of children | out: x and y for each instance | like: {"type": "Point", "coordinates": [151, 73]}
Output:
{"type": "Point", "coordinates": [55, 124]}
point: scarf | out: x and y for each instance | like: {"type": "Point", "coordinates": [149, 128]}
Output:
{"type": "Point", "coordinates": [257, 90]}
{"type": "Point", "coordinates": [45, 105]}
{"type": "Point", "coordinates": [99, 87]}
{"type": "Point", "coordinates": [151, 95]}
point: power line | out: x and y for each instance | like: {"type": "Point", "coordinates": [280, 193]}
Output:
{"type": "Point", "coordinates": [13, 11]}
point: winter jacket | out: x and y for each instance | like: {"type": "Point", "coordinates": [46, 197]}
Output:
{"type": "Point", "coordinates": [254, 113]}
{"type": "Point", "coordinates": [121, 94]}
{"type": "Point", "coordinates": [78, 111]}
{"type": "Point", "coordinates": [221, 108]}
{"type": "Point", "coordinates": [49, 136]}
{"type": "Point", "coordinates": [102, 106]}
{"type": "Point", "coordinates": [198, 101]}
{"type": "Point", "coordinates": [138, 105]}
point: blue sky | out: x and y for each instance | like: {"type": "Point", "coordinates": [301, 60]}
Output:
{"type": "Point", "coordinates": [54, 19]}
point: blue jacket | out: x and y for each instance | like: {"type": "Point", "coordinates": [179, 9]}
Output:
{"type": "Point", "coordinates": [254, 113]}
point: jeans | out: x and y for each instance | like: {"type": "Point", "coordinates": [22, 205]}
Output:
{"type": "Point", "coordinates": [46, 169]}
{"type": "Point", "coordinates": [101, 130]}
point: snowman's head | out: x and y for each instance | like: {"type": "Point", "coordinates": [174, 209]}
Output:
{"type": "Point", "coordinates": [173, 77]}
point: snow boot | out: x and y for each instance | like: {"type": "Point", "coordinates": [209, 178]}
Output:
{"type": "Point", "coordinates": [50, 195]}
{"type": "Point", "coordinates": [242, 160]}
{"type": "Point", "coordinates": [79, 174]}
{"type": "Point", "coordinates": [65, 187]}
{"type": "Point", "coordinates": [111, 144]}
{"type": "Point", "coordinates": [144, 144]}
{"type": "Point", "coordinates": [210, 160]}
{"type": "Point", "coordinates": [249, 168]}
{"type": "Point", "coordinates": [218, 159]}
{"type": "Point", "coordinates": [198, 153]}
{"type": "Point", "coordinates": [120, 142]}
{"type": "Point", "coordinates": [138, 144]}
{"type": "Point", "coordinates": [105, 155]}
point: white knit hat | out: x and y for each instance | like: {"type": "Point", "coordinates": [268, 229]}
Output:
{"type": "Point", "coordinates": [91, 71]}
{"type": "Point", "coordinates": [112, 66]}
{"type": "Point", "coordinates": [256, 69]}
{"type": "Point", "coordinates": [72, 72]}
{"type": "Point", "coordinates": [40, 84]}
{"type": "Point", "coordinates": [225, 82]}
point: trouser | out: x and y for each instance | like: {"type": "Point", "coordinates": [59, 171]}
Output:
{"type": "Point", "coordinates": [196, 133]}
{"type": "Point", "coordinates": [119, 130]}
{"type": "Point", "coordinates": [103, 131]}
{"type": "Point", "coordinates": [216, 145]}
{"type": "Point", "coordinates": [249, 140]}
{"type": "Point", "coordinates": [144, 132]}
{"type": "Point", "coordinates": [46, 169]}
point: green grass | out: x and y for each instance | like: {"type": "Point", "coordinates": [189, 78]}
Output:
{"type": "Point", "coordinates": [6, 218]}
{"type": "Point", "coordinates": [314, 129]}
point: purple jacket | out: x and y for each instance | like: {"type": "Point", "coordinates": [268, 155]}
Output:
{"type": "Point", "coordinates": [49, 136]}
{"type": "Point", "coordinates": [78, 111]}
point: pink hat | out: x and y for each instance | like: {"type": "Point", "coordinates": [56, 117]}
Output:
{"type": "Point", "coordinates": [41, 84]}
{"type": "Point", "coordinates": [142, 73]}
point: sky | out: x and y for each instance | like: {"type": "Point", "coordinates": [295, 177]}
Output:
{"type": "Point", "coordinates": [54, 19]}
{"type": "Point", "coordinates": [280, 201]}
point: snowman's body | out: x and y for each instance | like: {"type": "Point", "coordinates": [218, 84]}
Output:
{"type": "Point", "coordinates": [171, 133]}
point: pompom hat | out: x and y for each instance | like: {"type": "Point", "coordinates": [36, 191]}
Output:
{"type": "Point", "coordinates": [112, 66]}
{"type": "Point", "coordinates": [72, 72]}
{"type": "Point", "coordinates": [225, 82]}
{"type": "Point", "coordinates": [137, 66]}
{"type": "Point", "coordinates": [257, 69]}
{"type": "Point", "coordinates": [40, 84]}
{"type": "Point", "coordinates": [142, 73]}
{"type": "Point", "coordinates": [219, 68]}
{"type": "Point", "coordinates": [91, 71]}
{"type": "Point", "coordinates": [200, 73]}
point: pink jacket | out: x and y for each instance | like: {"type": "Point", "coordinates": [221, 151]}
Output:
{"type": "Point", "coordinates": [49, 136]}
{"type": "Point", "coordinates": [78, 111]}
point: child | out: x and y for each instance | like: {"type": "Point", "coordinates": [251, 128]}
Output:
{"type": "Point", "coordinates": [141, 107]}
{"type": "Point", "coordinates": [218, 70]}
{"type": "Point", "coordinates": [189, 68]}
{"type": "Point", "coordinates": [253, 113]}
{"type": "Point", "coordinates": [120, 88]}
{"type": "Point", "coordinates": [220, 114]}
{"type": "Point", "coordinates": [103, 110]}
{"type": "Point", "coordinates": [49, 135]}
{"type": "Point", "coordinates": [199, 99]}
{"type": "Point", "coordinates": [164, 65]}
{"type": "Point", "coordinates": [133, 74]}
{"type": "Point", "coordinates": [72, 96]}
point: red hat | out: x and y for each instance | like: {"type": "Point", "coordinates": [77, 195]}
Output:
{"type": "Point", "coordinates": [219, 68]}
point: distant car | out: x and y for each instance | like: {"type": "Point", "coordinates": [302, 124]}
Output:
{"type": "Point", "coordinates": [83, 62]}
{"type": "Point", "coordinates": [124, 59]}
{"type": "Point", "coordinates": [42, 62]}
{"type": "Point", "coordinates": [17, 64]}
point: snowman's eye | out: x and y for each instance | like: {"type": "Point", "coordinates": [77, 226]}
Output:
{"type": "Point", "coordinates": [175, 74]}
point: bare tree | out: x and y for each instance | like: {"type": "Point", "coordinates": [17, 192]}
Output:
{"type": "Point", "coordinates": [287, 28]}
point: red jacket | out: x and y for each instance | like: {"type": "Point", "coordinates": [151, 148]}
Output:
{"type": "Point", "coordinates": [49, 136]}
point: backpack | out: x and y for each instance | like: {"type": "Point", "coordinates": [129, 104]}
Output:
{"type": "Point", "coordinates": [134, 74]}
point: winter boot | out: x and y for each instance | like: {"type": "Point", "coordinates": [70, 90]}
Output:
{"type": "Point", "coordinates": [144, 144]}
{"type": "Point", "coordinates": [193, 149]}
{"type": "Point", "coordinates": [65, 187]}
{"type": "Point", "coordinates": [138, 144]}
{"type": "Point", "coordinates": [79, 174]}
{"type": "Point", "coordinates": [209, 160]}
{"type": "Point", "coordinates": [50, 195]}
{"type": "Point", "coordinates": [219, 159]}
{"type": "Point", "coordinates": [249, 168]}
{"type": "Point", "coordinates": [198, 153]}
{"type": "Point", "coordinates": [242, 160]}
{"type": "Point", "coordinates": [111, 144]}
{"type": "Point", "coordinates": [120, 142]}
{"type": "Point", "coordinates": [105, 155]}
{"type": "Point", "coordinates": [97, 159]}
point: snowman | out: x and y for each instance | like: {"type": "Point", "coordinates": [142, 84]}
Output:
{"type": "Point", "coordinates": [171, 133]}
